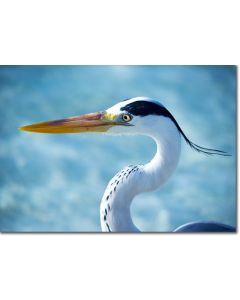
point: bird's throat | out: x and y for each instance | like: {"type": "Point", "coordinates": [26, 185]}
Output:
{"type": "Point", "coordinates": [133, 180]}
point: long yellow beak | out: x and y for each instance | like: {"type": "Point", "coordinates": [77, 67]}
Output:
{"type": "Point", "coordinates": [94, 122]}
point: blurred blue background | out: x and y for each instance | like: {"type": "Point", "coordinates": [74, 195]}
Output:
{"type": "Point", "coordinates": [55, 182]}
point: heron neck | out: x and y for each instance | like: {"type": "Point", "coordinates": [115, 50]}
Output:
{"type": "Point", "coordinates": [164, 162]}
{"type": "Point", "coordinates": [134, 180]}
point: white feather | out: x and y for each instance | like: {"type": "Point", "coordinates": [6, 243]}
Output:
{"type": "Point", "coordinates": [115, 212]}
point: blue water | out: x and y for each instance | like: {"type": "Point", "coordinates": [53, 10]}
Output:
{"type": "Point", "coordinates": [55, 182]}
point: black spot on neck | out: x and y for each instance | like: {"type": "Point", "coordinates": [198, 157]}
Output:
{"type": "Point", "coordinates": [108, 227]}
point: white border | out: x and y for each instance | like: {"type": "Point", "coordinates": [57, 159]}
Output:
{"type": "Point", "coordinates": [119, 266]}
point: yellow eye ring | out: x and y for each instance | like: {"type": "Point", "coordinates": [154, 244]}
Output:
{"type": "Point", "coordinates": [126, 117]}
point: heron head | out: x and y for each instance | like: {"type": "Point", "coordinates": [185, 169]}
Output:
{"type": "Point", "coordinates": [139, 115]}
{"type": "Point", "coordinates": [131, 116]}
{"type": "Point", "coordinates": [142, 115]}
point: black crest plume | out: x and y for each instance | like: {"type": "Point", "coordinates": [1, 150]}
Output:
{"type": "Point", "coordinates": [144, 108]}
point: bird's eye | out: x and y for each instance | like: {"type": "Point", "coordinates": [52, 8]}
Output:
{"type": "Point", "coordinates": [126, 117]}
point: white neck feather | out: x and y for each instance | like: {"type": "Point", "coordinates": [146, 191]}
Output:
{"type": "Point", "coordinates": [115, 212]}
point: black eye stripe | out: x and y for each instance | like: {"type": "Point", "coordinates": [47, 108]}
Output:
{"type": "Point", "coordinates": [145, 108]}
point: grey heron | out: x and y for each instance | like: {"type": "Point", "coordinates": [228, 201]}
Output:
{"type": "Point", "coordinates": [135, 116]}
